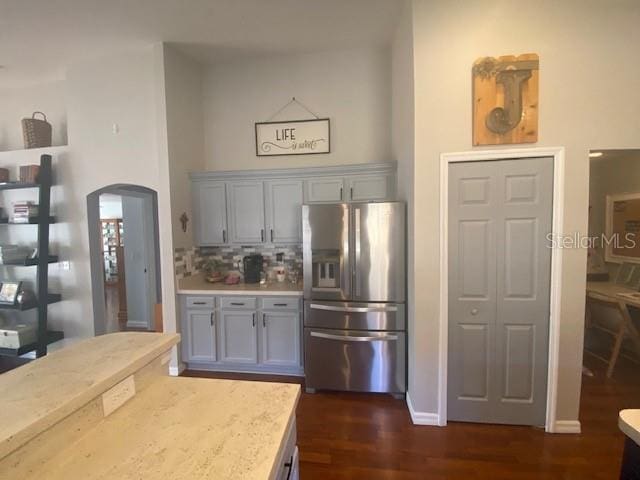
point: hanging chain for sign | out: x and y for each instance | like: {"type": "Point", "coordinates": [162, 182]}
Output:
{"type": "Point", "coordinates": [286, 105]}
{"type": "Point", "coordinates": [293, 137]}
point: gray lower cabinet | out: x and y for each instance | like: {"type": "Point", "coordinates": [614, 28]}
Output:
{"type": "Point", "coordinates": [279, 336]}
{"type": "Point", "coordinates": [201, 333]}
{"type": "Point", "coordinates": [238, 341]}
{"type": "Point", "coordinates": [242, 333]}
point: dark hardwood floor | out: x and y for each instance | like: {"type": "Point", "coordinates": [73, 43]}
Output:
{"type": "Point", "coordinates": [362, 436]}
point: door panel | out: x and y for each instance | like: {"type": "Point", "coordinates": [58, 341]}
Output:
{"type": "Point", "coordinates": [284, 211]}
{"type": "Point", "coordinates": [378, 251]}
{"type": "Point", "coordinates": [238, 337]}
{"type": "Point", "coordinates": [499, 282]}
{"type": "Point", "coordinates": [475, 362]}
{"type": "Point", "coordinates": [326, 252]}
{"type": "Point", "coordinates": [202, 337]}
{"type": "Point", "coordinates": [210, 213]}
{"type": "Point", "coordinates": [369, 188]}
{"type": "Point", "coordinates": [246, 208]}
{"type": "Point", "coordinates": [324, 190]}
{"type": "Point", "coordinates": [280, 339]}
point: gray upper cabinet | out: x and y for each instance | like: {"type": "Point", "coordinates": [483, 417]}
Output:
{"type": "Point", "coordinates": [263, 206]}
{"type": "Point", "coordinates": [238, 337]}
{"type": "Point", "coordinates": [369, 188]}
{"type": "Point", "coordinates": [284, 211]}
{"type": "Point", "coordinates": [201, 335]}
{"type": "Point", "coordinates": [210, 213]}
{"type": "Point", "coordinates": [246, 212]}
{"type": "Point", "coordinates": [324, 190]}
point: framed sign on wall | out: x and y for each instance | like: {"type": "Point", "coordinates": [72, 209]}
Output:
{"type": "Point", "coordinates": [622, 228]}
{"type": "Point", "coordinates": [293, 137]}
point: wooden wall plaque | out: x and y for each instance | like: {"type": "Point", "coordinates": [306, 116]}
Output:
{"type": "Point", "coordinates": [505, 99]}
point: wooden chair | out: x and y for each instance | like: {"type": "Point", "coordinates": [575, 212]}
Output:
{"type": "Point", "coordinates": [624, 329]}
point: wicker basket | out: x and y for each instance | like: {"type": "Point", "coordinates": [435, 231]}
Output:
{"type": "Point", "coordinates": [36, 132]}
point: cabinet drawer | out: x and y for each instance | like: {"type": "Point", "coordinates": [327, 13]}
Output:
{"type": "Point", "coordinates": [280, 303]}
{"type": "Point", "coordinates": [238, 302]}
{"type": "Point", "coordinates": [200, 302]}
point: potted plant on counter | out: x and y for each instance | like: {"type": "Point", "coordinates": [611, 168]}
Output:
{"type": "Point", "coordinates": [212, 271]}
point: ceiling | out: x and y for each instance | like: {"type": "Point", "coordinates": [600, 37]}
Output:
{"type": "Point", "coordinates": [39, 38]}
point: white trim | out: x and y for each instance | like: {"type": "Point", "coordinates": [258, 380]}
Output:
{"type": "Point", "coordinates": [558, 154]}
{"type": "Point", "coordinates": [567, 426]}
{"type": "Point", "coordinates": [176, 371]}
{"type": "Point", "coordinates": [422, 418]}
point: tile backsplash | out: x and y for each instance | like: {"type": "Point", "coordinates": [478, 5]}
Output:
{"type": "Point", "coordinates": [190, 261]}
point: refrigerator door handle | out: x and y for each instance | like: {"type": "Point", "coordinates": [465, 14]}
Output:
{"type": "Point", "coordinates": [356, 266]}
{"type": "Point", "coordinates": [331, 308]}
{"type": "Point", "coordinates": [350, 338]}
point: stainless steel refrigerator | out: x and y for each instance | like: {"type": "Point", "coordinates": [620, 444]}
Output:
{"type": "Point", "coordinates": [354, 297]}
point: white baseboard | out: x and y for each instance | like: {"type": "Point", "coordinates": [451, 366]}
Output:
{"type": "Point", "coordinates": [422, 418]}
{"type": "Point", "coordinates": [567, 426]}
{"type": "Point", "coordinates": [176, 371]}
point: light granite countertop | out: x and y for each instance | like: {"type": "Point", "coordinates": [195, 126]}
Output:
{"type": "Point", "coordinates": [629, 423]}
{"type": "Point", "coordinates": [184, 429]}
{"type": "Point", "coordinates": [39, 394]}
{"type": "Point", "coordinates": [196, 285]}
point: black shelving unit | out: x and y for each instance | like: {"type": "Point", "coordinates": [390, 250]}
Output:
{"type": "Point", "coordinates": [42, 298]}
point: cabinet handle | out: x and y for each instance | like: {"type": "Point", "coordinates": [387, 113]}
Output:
{"type": "Point", "coordinates": [211, 318]}
{"type": "Point", "coordinates": [340, 193]}
{"type": "Point", "coordinates": [280, 304]}
{"type": "Point", "coordinates": [224, 236]}
{"type": "Point", "coordinates": [264, 322]}
{"type": "Point", "coordinates": [238, 304]}
{"type": "Point", "coordinates": [351, 192]}
{"type": "Point", "coordinates": [199, 303]}
{"type": "Point", "coordinates": [253, 315]}
{"type": "Point", "coordinates": [262, 235]}
{"type": "Point", "coordinates": [272, 235]}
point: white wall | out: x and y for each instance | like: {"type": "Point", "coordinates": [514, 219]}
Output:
{"type": "Point", "coordinates": [19, 103]}
{"type": "Point", "coordinates": [352, 88]}
{"type": "Point", "coordinates": [402, 129]}
{"type": "Point", "coordinates": [100, 92]}
{"type": "Point", "coordinates": [185, 130]}
{"type": "Point", "coordinates": [110, 206]}
{"type": "Point", "coordinates": [583, 105]}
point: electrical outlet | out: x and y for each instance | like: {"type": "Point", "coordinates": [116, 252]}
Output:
{"type": "Point", "coordinates": [66, 265]}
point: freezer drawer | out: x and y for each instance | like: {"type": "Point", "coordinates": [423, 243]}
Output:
{"type": "Point", "coordinates": [354, 315]}
{"type": "Point", "coordinates": [357, 361]}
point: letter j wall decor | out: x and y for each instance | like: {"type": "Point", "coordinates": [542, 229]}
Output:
{"type": "Point", "coordinates": [505, 100]}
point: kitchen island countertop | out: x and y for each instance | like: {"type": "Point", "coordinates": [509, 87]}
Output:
{"type": "Point", "coordinates": [629, 423]}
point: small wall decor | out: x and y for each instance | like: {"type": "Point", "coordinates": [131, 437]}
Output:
{"type": "Point", "coordinates": [293, 137]}
{"type": "Point", "coordinates": [505, 99]}
{"type": "Point", "coordinates": [184, 219]}
{"type": "Point", "coordinates": [622, 228]}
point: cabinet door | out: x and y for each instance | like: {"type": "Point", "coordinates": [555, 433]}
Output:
{"type": "Point", "coordinates": [238, 335]}
{"type": "Point", "coordinates": [280, 339]}
{"type": "Point", "coordinates": [201, 336]}
{"type": "Point", "coordinates": [246, 209]}
{"type": "Point", "coordinates": [284, 211]}
{"type": "Point", "coordinates": [324, 190]}
{"type": "Point", "coordinates": [365, 188]}
{"type": "Point", "coordinates": [210, 213]}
